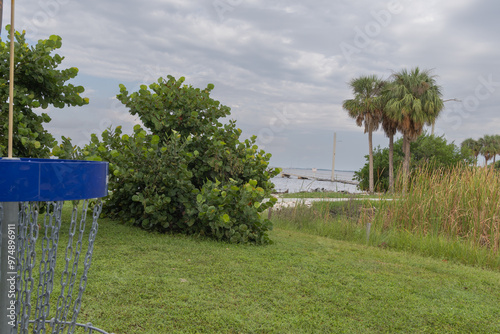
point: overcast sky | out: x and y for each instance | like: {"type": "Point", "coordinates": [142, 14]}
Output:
{"type": "Point", "coordinates": [281, 65]}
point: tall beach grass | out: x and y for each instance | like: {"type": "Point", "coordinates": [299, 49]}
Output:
{"type": "Point", "coordinates": [459, 206]}
{"type": "Point", "coordinates": [459, 203]}
{"type": "Point", "coordinates": [453, 215]}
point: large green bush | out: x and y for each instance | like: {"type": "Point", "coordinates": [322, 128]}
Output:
{"type": "Point", "coordinates": [186, 172]}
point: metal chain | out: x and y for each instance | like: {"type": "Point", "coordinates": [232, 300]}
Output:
{"type": "Point", "coordinates": [52, 224]}
{"type": "Point", "coordinates": [27, 237]}
{"type": "Point", "coordinates": [68, 278]}
{"type": "Point", "coordinates": [86, 265]}
{"type": "Point", "coordinates": [26, 258]}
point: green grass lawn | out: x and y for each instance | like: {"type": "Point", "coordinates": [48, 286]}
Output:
{"type": "Point", "coordinates": [143, 282]}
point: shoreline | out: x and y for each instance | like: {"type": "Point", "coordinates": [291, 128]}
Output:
{"type": "Point", "coordinates": [293, 184]}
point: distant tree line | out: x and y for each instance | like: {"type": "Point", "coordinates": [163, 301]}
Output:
{"type": "Point", "coordinates": [429, 150]}
{"type": "Point", "coordinates": [487, 146]}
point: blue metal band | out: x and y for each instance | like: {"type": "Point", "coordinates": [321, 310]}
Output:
{"type": "Point", "coordinates": [26, 179]}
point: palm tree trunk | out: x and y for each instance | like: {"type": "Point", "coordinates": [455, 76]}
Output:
{"type": "Point", "coordinates": [406, 151]}
{"type": "Point", "coordinates": [406, 163]}
{"type": "Point", "coordinates": [370, 152]}
{"type": "Point", "coordinates": [391, 163]}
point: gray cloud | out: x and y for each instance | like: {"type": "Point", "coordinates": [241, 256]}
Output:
{"type": "Point", "coordinates": [273, 58]}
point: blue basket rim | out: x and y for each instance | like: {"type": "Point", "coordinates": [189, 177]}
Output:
{"type": "Point", "coordinates": [31, 179]}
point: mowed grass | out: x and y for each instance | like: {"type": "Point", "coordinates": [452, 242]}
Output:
{"type": "Point", "coordinates": [143, 282]}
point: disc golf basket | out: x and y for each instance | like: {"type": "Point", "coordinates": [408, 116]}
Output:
{"type": "Point", "coordinates": [45, 258]}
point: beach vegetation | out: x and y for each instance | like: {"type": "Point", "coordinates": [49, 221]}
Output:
{"type": "Point", "coordinates": [39, 83]}
{"type": "Point", "coordinates": [450, 213]}
{"type": "Point", "coordinates": [184, 171]}
{"type": "Point", "coordinates": [433, 151]}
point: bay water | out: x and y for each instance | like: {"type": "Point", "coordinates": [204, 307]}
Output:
{"type": "Point", "coordinates": [294, 184]}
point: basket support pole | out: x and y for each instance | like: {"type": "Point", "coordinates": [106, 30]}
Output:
{"type": "Point", "coordinates": [8, 267]}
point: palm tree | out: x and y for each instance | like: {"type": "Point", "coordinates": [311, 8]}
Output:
{"type": "Point", "coordinates": [474, 146]}
{"type": "Point", "coordinates": [496, 141]}
{"type": "Point", "coordinates": [365, 110]}
{"type": "Point", "coordinates": [414, 100]}
{"type": "Point", "coordinates": [488, 148]}
{"type": "Point", "coordinates": [390, 127]}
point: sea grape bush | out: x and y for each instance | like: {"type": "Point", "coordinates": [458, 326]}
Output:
{"type": "Point", "coordinates": [185, 172]}
{"type": "Point", "coordinates": [39, 83]}
{"type": "Point", "coordinates": [232, 211]}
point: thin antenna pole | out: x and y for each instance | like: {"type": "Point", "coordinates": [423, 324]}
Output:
{"type": "Point", "coordinates": [11, 83]}
{"type": "Point", "coordinates": [333, 160]}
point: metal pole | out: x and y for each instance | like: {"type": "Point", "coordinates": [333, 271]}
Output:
{"type": "Point", "coordinates": [9, 220]}
{"type": "Point", "coordinates": [333, 163]}
{"type": "Point", "coordinates": [11, 82]}
{"type": "Point", "coordinates": [8, 264]}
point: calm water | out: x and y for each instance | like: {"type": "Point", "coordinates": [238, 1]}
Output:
{"type": "Point", "coordinates": [293, 184]}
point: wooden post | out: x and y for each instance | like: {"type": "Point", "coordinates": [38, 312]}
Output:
{"type": "Point", "coordinates": [1, 15]}
{"type": "Point", "coordinates": [11, 84]}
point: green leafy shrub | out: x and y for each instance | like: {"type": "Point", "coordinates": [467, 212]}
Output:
{"type": "Point", "coordinates": [39, 83]}
{"type": "Point", "coordinates": [232, 211]}
{"type": "Point", "coordinates": [188, 173]}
